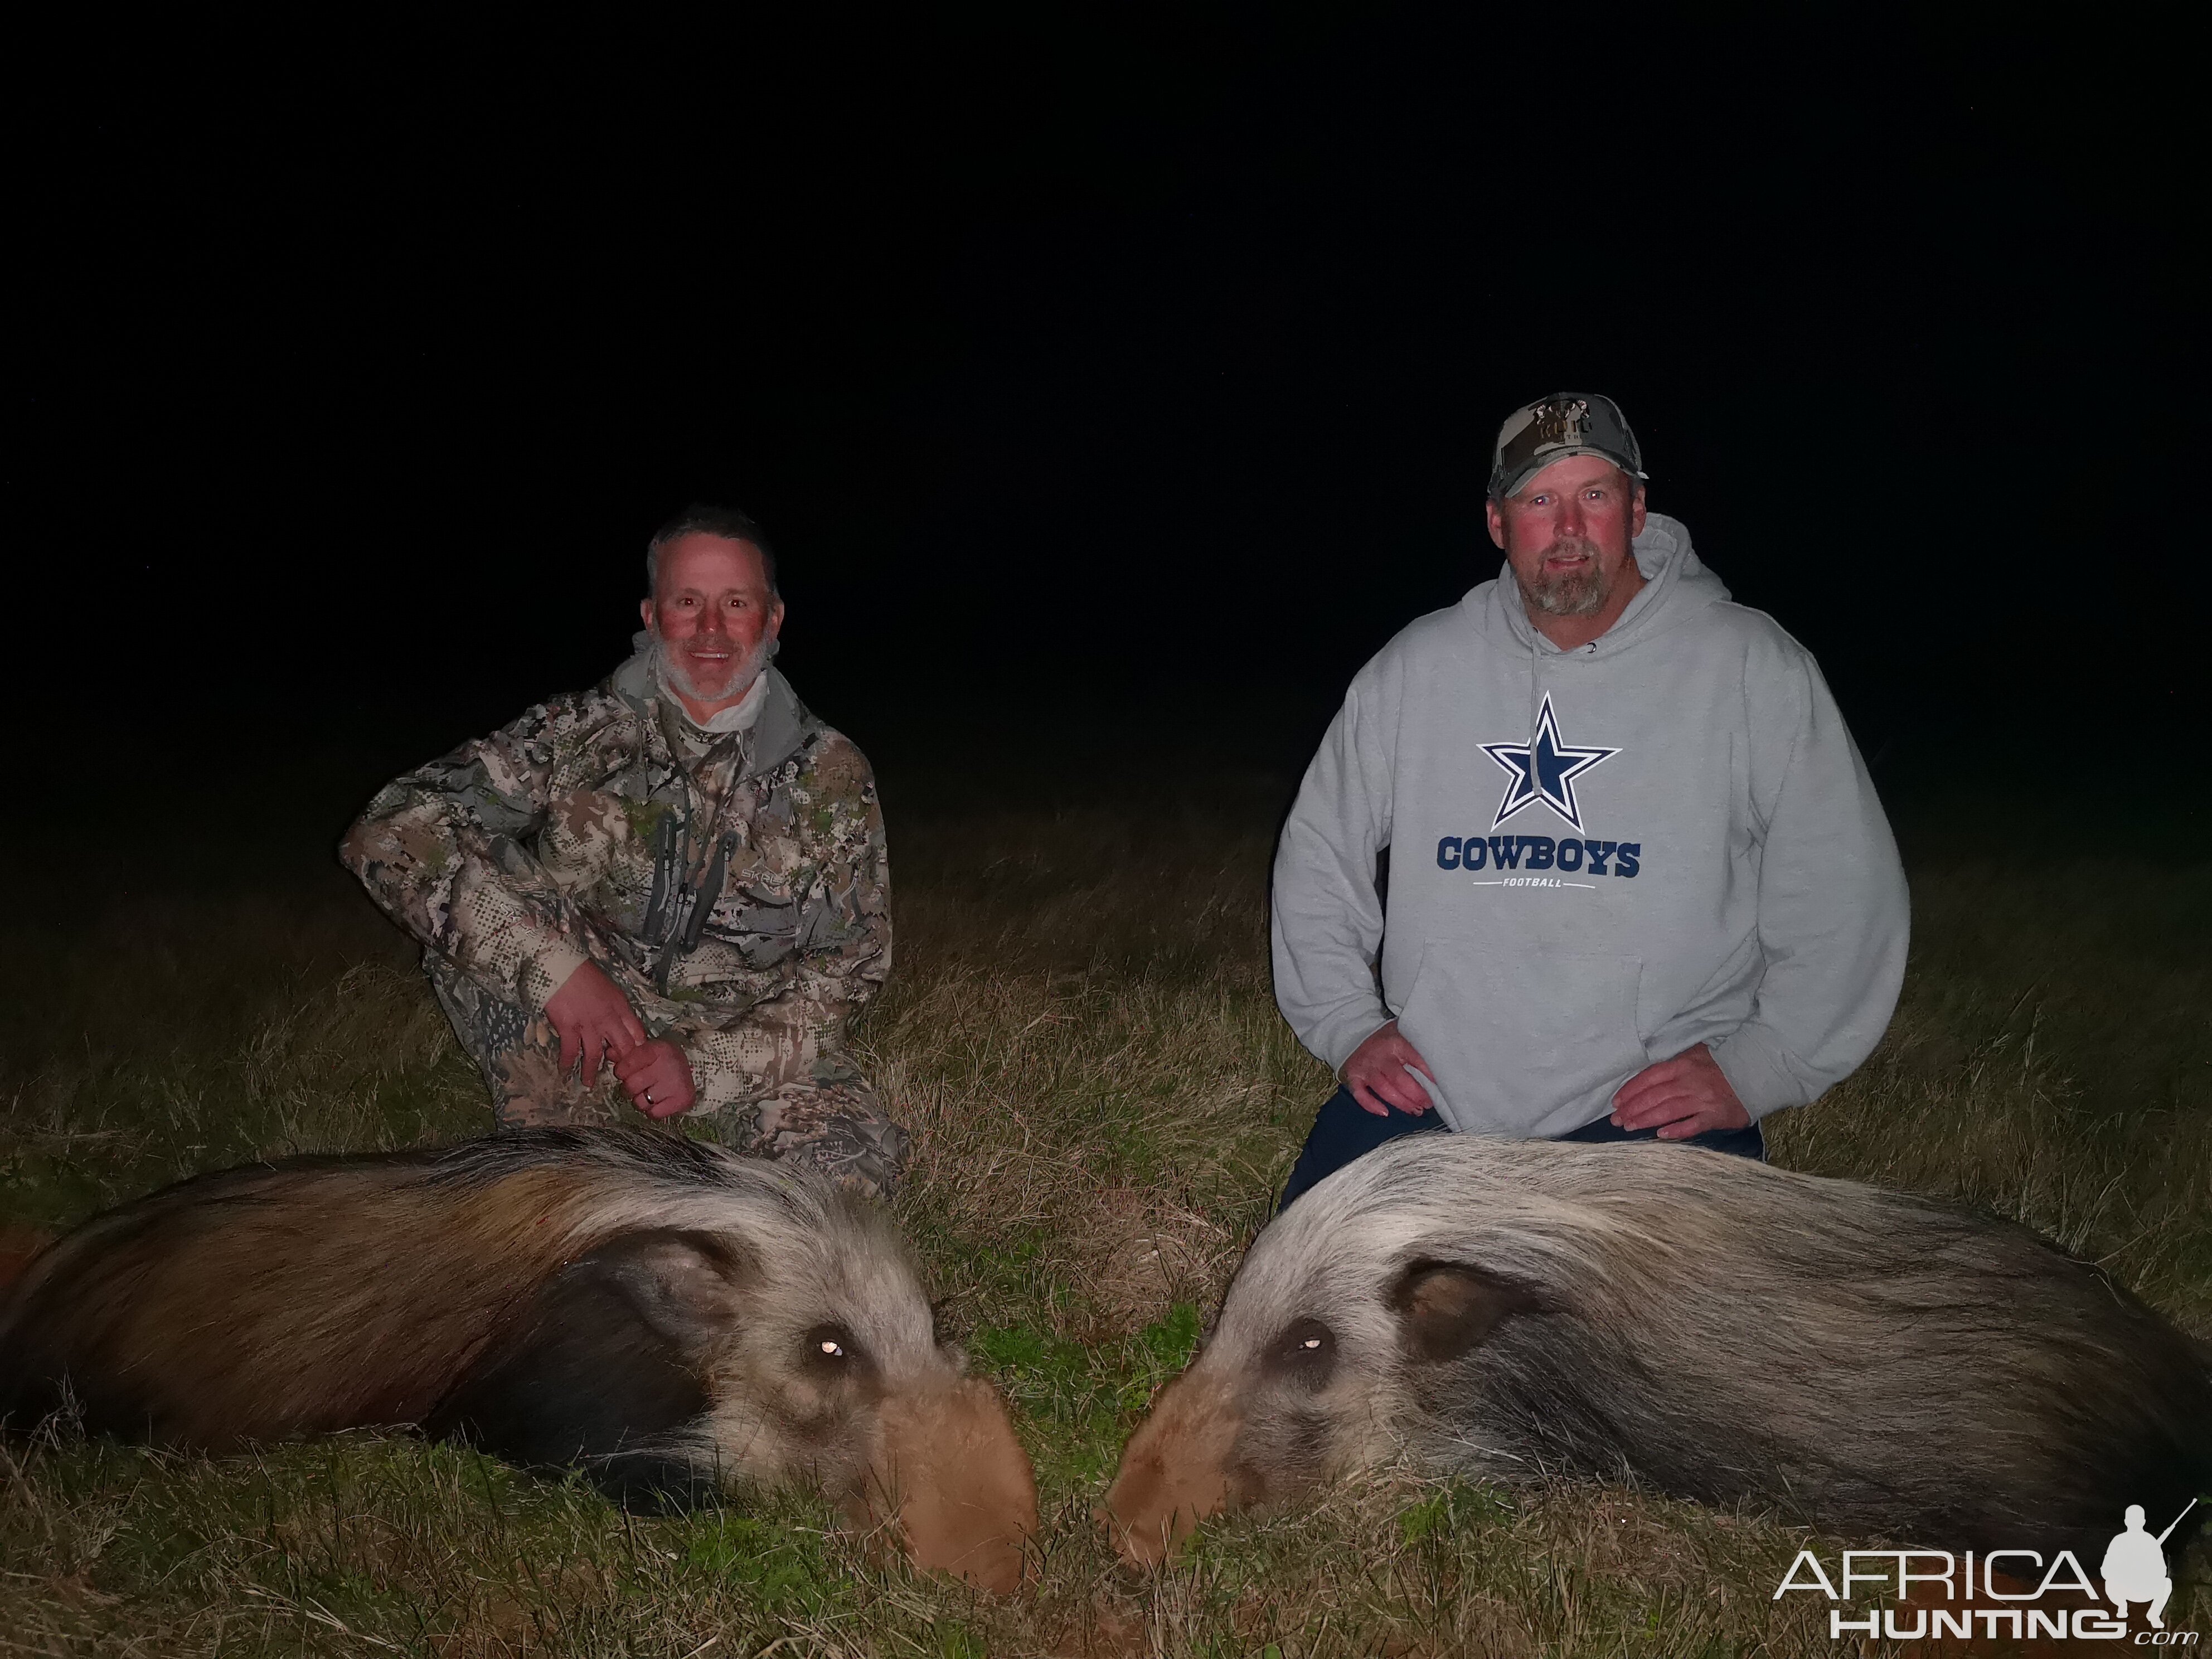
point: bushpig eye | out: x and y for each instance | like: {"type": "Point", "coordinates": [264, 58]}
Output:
{"type": "Point", "coordinates": [829, 1346]}
{"type": "Point", "coordinates": [1305, 1353]}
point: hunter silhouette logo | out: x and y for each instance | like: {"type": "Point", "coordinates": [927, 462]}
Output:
{"type": "Point", "coordinates": [2135, 1567]}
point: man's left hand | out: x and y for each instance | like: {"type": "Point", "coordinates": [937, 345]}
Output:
{"type": "Point", "coordinates": [658, 1078]}
{"type": "Point", "coordinates": [1679, 1097]}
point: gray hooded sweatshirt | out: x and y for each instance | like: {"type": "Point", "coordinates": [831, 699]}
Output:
{"type": "Point", "coordinates": [1599, 858]}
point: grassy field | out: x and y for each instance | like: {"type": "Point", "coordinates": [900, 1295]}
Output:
{"type": "Point", "coordinates": [1082, 1038]}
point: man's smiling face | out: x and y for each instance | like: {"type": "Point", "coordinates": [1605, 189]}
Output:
{"type": "Point", "coordinates": [713, 613]}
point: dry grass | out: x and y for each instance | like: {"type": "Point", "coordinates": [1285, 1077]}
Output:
{"type": "Point", "coordinates": [1082, 1039]}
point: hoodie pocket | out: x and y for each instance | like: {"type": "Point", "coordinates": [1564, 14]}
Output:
{"type": "Point", "coordinates": [1528, 1040]}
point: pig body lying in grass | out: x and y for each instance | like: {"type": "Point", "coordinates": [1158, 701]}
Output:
{"type": "Point", "coordinates": [661, 1314]}
{"type": "Point", "coordinates": [1712, 1327]}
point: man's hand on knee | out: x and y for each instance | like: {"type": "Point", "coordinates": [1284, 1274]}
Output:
{"type": "Point", "coordinates": [1377, 1077]}
{"type": "Point", "coordinates": [658, 1078]}
{"type": "Point", "coordinates": [592, 1016]}
{"type": "Point", "coordinates": [1688, 1094]}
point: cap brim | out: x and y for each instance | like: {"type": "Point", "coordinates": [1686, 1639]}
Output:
{"type": "Point", "coordinates": [1532, 468]}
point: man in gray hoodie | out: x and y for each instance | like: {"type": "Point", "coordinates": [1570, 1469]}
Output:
{"type": "Point", "coordinates": [1639, 887]}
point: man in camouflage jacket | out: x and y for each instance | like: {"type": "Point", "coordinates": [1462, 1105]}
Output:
{"type": "Point", "coordinates": [687, 830]}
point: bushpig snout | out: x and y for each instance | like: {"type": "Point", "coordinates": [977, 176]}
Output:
{"type": "Point", "coordinates": [957, 1483]}
{"type": "Point", "coordinates": [1176, 1470]}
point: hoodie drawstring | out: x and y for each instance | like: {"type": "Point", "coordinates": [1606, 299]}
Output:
{"type": "Point", "coordinates": [1536, 705]}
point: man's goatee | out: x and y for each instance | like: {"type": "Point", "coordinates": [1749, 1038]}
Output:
{"type": "Point", "coordinates": [1571, 593]}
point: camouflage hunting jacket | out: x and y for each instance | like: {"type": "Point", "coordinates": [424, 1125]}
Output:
{"type": "Point", "coordinates": [736, 888]}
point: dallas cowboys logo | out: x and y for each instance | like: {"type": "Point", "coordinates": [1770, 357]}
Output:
{"type": "Point", "coordinates": [1545, 770]}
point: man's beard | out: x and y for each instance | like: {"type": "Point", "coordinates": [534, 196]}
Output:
{"type": "Point", "coordinates": [668, 669]}
{"type": "Point", "coordinates": [1570, 593]}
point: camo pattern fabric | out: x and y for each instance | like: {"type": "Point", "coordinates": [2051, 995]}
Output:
{"type": "Point", "coordinates": [735, 887]}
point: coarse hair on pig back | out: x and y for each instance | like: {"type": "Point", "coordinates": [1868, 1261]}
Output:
{"type": "Point", "coordinates": [657, 1311]}
{"type": "Point", "coordinates": [1715, 1328]}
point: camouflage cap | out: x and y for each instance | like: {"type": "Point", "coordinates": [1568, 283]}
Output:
{"type": "Point", "coordinates": [1565, 423]}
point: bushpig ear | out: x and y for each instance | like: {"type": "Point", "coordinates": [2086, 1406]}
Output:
{"type": "Point", "coordinates": [684, 1285]}
{"type": "Point", "coordinates": [1445, 1308]}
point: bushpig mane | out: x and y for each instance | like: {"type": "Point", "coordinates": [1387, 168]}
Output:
{"type": "Point", "coordinates": [669, 1160]}
{"type": "Point", "coordinates": [793, 1220]}
{"type": "Point", "coordinates": [1725, 1330]}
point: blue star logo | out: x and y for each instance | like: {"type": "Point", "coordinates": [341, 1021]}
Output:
{"type": "Point", "coordinates": [1544, 770]}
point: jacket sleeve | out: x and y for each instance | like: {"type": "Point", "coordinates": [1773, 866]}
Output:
{"type": "Point", "coordinates": [1327, 914]}
{"type": "Point", "coordinates": [1833, 913]}
{"type": "Point", "coordinates": [445, 850]}
{"type": "Point", "coordinates": [840, 933]}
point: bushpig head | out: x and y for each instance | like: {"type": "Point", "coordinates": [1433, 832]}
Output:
{"type": "Point", "coordinates": [1281, 1402]}
{"type": "Point", "coordinates": [666, 1362]}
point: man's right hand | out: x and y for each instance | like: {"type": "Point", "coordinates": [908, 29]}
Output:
{"type": "Point", "coordinates": [1377, 1077]}
{"type": "Point", "coordinates": [593, 1017]}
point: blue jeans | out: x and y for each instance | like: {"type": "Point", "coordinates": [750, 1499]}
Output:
{"type": "Point", "coordinates": [1346, 1129]}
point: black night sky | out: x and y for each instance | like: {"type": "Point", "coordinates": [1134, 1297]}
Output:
{"type": "Point", "coordinates": [1132, 364]}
